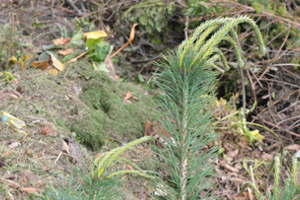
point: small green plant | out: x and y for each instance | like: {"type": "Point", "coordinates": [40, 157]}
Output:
{"type": "Point", "coordinates": [151, 14]}
{"type": "Point", "coordinates": [188, 81]}
{"type": "Point", "coordinates": [77, 138]}
{"type": "Point", "coordinates": [84, 187]}
{"type": "Point", "coordinates": [101, 181]}
{"type": "Point", "coordinates": [291, 188]}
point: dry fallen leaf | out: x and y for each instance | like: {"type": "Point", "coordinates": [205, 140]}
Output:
{"type": "Point", "coordinates": [267, 156]}
{"type": "Point", "coordinates": [53, 71]}
{"type": "Point", "coordinates": [58, 41]}
{"type": "Point", "coordinates": [44, 64]}
{"type": "Point", "coordinates": [65, 52]}
{"type": "Point", "coordinates": [29, 190]}
{"type": "Point", "coordinates": [13, 145]}
{"type": "Point", "coordinates": [61, 41]}
{"type": "Point", "coordinates": [128, 95]}
{"type": "Point", "coordinates": [293, 147]}
{"type": "Point", "coordinates": [232, 154]}
{"type": "Point", "coordinates": [5, 154]}
{"type": "Point", "coordinates": [48, 131]}
{"type": "Point", "coordinates": [57, 64]}
{"type": "Point", "coordinates": [10, 183]}
{"type": "Point", "coordinates": [110, 67]}
{"type": "Point", "coordinates": [129, 167]}
{"type": "Point", "coordinates": [64, 147]}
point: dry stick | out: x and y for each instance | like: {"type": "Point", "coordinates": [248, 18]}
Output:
{"type": "Point", "coordinates": [292, 74]}
{"type": "Point", "coordinates": [294, 117]}
{"type": "Point", "coordinates": [149, 62]}
{"type": "Point", "coordinates": [286, 96]}
{"type": "Point", "coordinates": [58, 157]}
{"type": "Point", "coordinates": [284, 41]}
{"type": "Point", "coordinates": [269, 42]}
{"type": "Point", "coordinates": [100, 18]}
{"type": "Point", "coordinates": [289, 48]}
{"type": "Point", "coordinates": [128, 42]}
{"type": "Point", "coordinates": [279, 128]}
{"type": "Point", "coordinates": [75, 59]}
{"type": "Point", "coordinates": [252, 85]}
{"type": "Point", "coordinates": [186, 27]}
{"type": "Point", "coordinates": [266, 79]}
{"type": "Point", "coordinates": [257, 81]}
{"type": "Point", "coordinates": [268, 67]}
{"type": "Point", "coordinates": [270, 100]}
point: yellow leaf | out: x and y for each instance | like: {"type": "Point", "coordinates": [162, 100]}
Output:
{"type": "Point", "coordinates": [13, 59]}
{"type": "Point", "coordinates": [95, 34]}
{"type": "Point", "coordinates": [53, 71]}
{"type": "Point", "coordinates": [57, 64]}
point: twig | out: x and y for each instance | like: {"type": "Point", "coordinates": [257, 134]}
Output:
{"type": "Point", "coordinates": [284, 41]}
{"type": "Point", "coordinates": [75, 8]}
{"type": "Point", "coordinates": [279, 128]}
{"type": "Point", "coordinates": [58, 157]}
{"type": "Point", "coordinates": [186, 27]}
{"type": "Point", "coordinates": [286, 96]}
{"type": "Point", "coordinates": [265, 79]}
{"type": "Point", "coordinates": [244, 92]}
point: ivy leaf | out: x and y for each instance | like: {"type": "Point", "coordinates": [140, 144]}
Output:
{"type": "Point", "coordinates": [150, 22]}
{"type": "Point", "coordinates": [149, 28]}
{"type": "Point", "coordinates": [143, 20]}
{"type": "Point", "coordinates": [153, 12]}
{"type": "Point", "coordinates": [140, 78]}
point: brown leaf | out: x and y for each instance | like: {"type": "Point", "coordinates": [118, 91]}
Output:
{"type": "Point", "coordinates": [128, 95]}
{"type": "Point", "coordinates": [5, 154]}
{"type": "Point", "coordinates": [58, 41]}
{"type": "Point", "coordinates": [267, 156]}
{"type": "Point", "coordinates": [65, 52]}
{"type": "Point", "coordinates": [148, 128]}
{"type": "Point", "coordinates": [41, 153]}
{"type": "Point", "coordinates": [110, 68]}
{"type": "Point", "coordinates": [10, 183]}
{"type": "Point", "coordinates": [13, 145]}
{"type": "Point", "coordinates": [48, 132]}
{"type": "Point", "coordinates": [293, 147]}
{"type": "Point", "coordinates": [64, 147]}
{"type": "Point", "coordinates": [129, 167]}
{"type": "Point", "coordinates": [98, 154]}
{"type": "Point", "coordinates": [30, 177]}
{"type": "Point", "coordinates": [224, 164]}
{"type": "Point", "coordinates": [44, 64]}
{"type": "Point", "coordinates": [232, 154]}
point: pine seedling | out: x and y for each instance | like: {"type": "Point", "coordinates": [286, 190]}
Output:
{"type": "Point", "coordinates": [188, 81]}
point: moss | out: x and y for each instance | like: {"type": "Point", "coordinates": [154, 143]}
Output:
{"type": "Point", "coordinates": [282, 10]}
{"type": "Point", "coordinates": [258, 7]}
{"type": "Point", "coordinates": [107, 115]}
{"type": "Point", "coordinates": [294, 60]}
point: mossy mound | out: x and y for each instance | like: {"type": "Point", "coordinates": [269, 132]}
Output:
{"type": "Point", "coordinates": [107, 116]}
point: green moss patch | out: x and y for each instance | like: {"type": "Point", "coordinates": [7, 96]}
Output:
{"type": "Point", "coordinates": [106, 115]}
